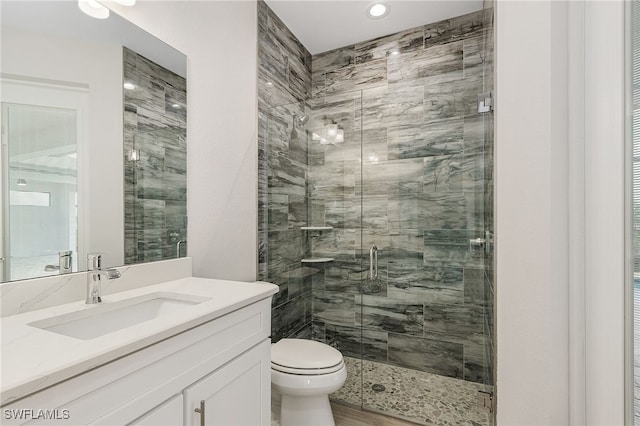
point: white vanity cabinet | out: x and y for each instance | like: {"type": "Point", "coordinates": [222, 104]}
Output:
{"type": "Point", "coordinates": [224, 362]}
{"type": "Point", "coordinates": [169, 413]}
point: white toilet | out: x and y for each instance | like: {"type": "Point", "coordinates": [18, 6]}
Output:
{"type": "Point", "coordinates": [304, 373]}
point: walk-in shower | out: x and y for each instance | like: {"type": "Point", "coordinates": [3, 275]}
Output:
{"type": "Point", "coordinates": [381, 241]}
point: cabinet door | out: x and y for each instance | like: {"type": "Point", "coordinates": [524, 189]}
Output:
{"type": "Point", "coordinates": [237, 394]}
{"type": "Point", "coordinates": [169, 413]}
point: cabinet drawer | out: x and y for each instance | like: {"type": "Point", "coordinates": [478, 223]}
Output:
{"type": "Point", "coordinates": [137, 383]}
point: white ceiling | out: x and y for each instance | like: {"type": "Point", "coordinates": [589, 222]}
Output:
{"type": "Point", "coordinates": [63, 18]}
{"type": "Point", "coordinates": [326, 25]}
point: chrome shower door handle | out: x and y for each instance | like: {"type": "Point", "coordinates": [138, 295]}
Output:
{"type": "Point", "coordinates": [373, 262]}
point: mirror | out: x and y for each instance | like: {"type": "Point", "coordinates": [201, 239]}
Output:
{"type": "Point", "coordinates": [93, 155]}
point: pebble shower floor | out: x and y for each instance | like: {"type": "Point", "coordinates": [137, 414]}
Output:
{"type": "Point", "coordinates": [413, 395]}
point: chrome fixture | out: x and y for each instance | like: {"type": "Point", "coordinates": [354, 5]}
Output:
{"type": "Point", "coordinates": [94, 277]}
{"type": "Point", "coordinates": [21, 182]}
{"type": "Point", "coordinates": [485, 102]}
{"type": "Point", "coordinates": [373, 262]}
{"type": "Point", "coordinates": [179, 246]}
{"type": "Point", "coordinates": [300, 120]}
{"type": "Point", "coordinates": [65, 258]}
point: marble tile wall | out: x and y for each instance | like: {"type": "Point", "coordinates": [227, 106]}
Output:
{"type": "Point", "coordinates": [284, 83]}
{"type": "Point", "coordinates": [155, 126]}
{"type": "Point", "coordinates": [413, 177]}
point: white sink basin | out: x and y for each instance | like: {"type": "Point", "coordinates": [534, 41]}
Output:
{"type": "Point", "coordinates": [105, 318]}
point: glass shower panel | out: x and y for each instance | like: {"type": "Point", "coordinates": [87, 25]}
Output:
{"type": "Point", "coordinates": [426, 236]}
{"type": "Point", "coordinates": [334, 138]}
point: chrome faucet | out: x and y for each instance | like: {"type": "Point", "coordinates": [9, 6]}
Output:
{"type": "Point", "coordinates": [94, 277]}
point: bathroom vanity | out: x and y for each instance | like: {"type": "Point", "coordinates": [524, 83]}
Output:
{"type": "Point", "coordinates": [191, 351]}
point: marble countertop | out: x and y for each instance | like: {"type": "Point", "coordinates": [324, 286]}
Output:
{"type": "Point", "coordinates": [32, 359]}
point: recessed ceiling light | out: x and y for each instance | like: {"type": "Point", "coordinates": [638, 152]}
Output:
{"type": "Point", "coordinates": [377, 10]}
{"type": "Point", "coordinates": [176, 106]}
{"type": "Point", "coordinates": [269, 84]}
{"type": "Point", "coordinates": [395, 52]}
{"type": "Point", "coordinates": [129, 86]}
{"type": "Point", "coordinates": [93, 9]}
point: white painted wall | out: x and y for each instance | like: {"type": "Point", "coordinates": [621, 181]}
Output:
{"type": "Point", "coordinates": [100, 67]}
{"type": "Point", "coordinates": [605, 212]}
{"type": "Point", "coordinates": [532, 213]}
{"type": "Point", "coordinates": [220, 41]}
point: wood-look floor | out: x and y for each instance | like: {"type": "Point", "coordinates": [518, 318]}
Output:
{"type": "Point", "coordinates": [347, 416]}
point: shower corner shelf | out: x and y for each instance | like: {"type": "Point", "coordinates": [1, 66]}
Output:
{"type": "Point", "coordinates": [317, 260]}
{"type": "Point", "coordinates": [316, 228]}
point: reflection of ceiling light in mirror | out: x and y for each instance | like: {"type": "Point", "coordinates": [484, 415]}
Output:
{"type": "Point", "coordinates": [93, 9]}
{"type": "Point", "coordinates": [395, 52]}
{"type": "Point", "coordinates": [269, 84]}
{"type": "Point", "coordinates": [329, 134]}
{"type": "Point", "coordinates": [21, 182]}
{"type": "Point", "coordinates": [129, 86]}
{"type": "Point", "coordinates": [377, 10]}
{"type": "Point", "coordinates": [176, 106]}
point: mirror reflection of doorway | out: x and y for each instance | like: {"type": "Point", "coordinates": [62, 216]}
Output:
{"type": "Point", "coordinates": [40, 181]}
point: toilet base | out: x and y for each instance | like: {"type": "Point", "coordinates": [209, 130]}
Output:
{"type": "Point", "coordinates": [306, 411]}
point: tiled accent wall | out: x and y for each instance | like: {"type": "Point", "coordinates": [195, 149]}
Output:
{"type": "Point", "coordinates": [415, 188]}
{"type": "Point", "coordinates": [284, 82]}
{"type": "Point", "coordinates": [155, 126]}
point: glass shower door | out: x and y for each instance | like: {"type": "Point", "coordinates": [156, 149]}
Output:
{"type": "Point", "coordinates": [426, 238]}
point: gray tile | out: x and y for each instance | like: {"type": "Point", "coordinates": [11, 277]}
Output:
{"type": "Point", "coordinates": [425, 284]}
{"type": "Point", "coordinates": [451, 246]}
{"type": "Point", "coordinates": [385, 314]}
{"type": "Point", "coordinates": [333, 59]}
{"type": "Point", "coordinates": [438, 210]}
{"type": "Point", "coordinates": [392, 177]}
{"type": "Point", "coordinates": [356, 77]}
{"type": "Point", "coordinates": [474, 287]}
{"type": "Point", "coordinates": [355, 342]}
{"type": "Point", "coordinates": [402, 42]}
{"type": "Point", "coordinates": [419, 68]}
{"type": "Point", "coordinates": [334, 308]}
{"type": "Point", "coordinates": [426, 139]}
{"type": "Point", "coordinates": [477, 366]}
{"type": "Point", "coordinates": [427, 355]}
{"type": "Point", "coordinates": [443, 173]}
{"type": "Point", "coordinates": [451, 30]}
{"type": "Point", "coordinates": [452, 323]}
{"type": "Point", "coordinates": [287, 318]}
{"type": "Point", "coordinates": [388, 106]}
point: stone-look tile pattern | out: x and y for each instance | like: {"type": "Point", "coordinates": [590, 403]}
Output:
{"type": "Point", "coordinates": [155, 196]}
{"type": "Point", "coordinates": [413, 177]}
{"type": "Point", "coordinates": [284, 82]}
{"type": "Point", "coordinates": [417, 396]}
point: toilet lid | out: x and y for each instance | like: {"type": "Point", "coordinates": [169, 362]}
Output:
{"type": "Point", "coordinates": [302, 354]}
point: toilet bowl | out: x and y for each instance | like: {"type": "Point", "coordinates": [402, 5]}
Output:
{"type": "Point", "coordinates": [304, 373]}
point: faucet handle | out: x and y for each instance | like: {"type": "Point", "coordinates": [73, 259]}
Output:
{"type": "Point", "coordinates": [94, 261]}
